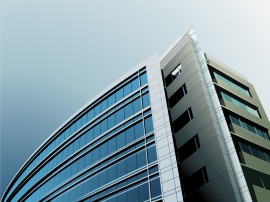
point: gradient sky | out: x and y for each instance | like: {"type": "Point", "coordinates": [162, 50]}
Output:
{"type": "Point", "coordinates": [58, 54]}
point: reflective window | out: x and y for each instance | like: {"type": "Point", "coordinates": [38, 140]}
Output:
{"type": "Point", "coordinates": [240, 104]}
{"type": "Point", "coordinates": [249, 126]}
{"type": "Point", "coordinates": [146, 100]}
{"type": "Point", "coordinates": [148, 125]}
{"type": "Point", "coordinates": [151, 154]}
{"type": "Point", "coordinates": [232, 83]}
{"type": "Point", "coordinates": [143, 79]}
{"type": "Point", "coordinates": [155, 187]}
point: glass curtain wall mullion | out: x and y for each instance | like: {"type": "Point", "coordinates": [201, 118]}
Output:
{"type": "Point", "coordinates": [108, 137]}
{"type": "Point", "coordinates": [74, 158]}
{"type": "Point", "coordinates": [124, 105]}
{"type": "Point", "coordinates": [100, 170]}
{"type": "Point", "coordinates": [16, 183]}
{"type": "Point", "coordinates": [91, 169]}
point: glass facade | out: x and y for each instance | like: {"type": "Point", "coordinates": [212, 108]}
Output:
{"type": "Point", "coordinates": [107, 152]}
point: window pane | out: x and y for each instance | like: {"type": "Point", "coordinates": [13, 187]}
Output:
{"type": "Point", "coordinates": [90, 115]}
{"type": "Point", "coordinates": [155, 187]}
{"type": "Point", "coordinates": [104, 105]}
{"type": "Point", "coordinates": [103, 126]}
{"type": "Point", "coordinates": [120, 140]}
{"type": "Point", "coordinates": [251, 129]}
{"type": "Point", "coordinates": [119, 94]}
{"type": "Point", "coordinates": [148, 125]}
{"type": "Point", "coordinates": [111, 100]}
{"type": "Point", "coordinates": [143, 79]}
{"type": "Point", "coordinates": [122, 197]}
{"type": "Point", "coordinates": [96, 130]}
{"type": "Point", "coordinates": [136, 105]}
{"type": "Point", "coordinates": [146, 100]}
{"type": "Point", "coordinates": [235, 121]}
{"type": "Point", "coordinates": [112, 173]}
{"type": "Point", "coordinates": [97, 110]}
{"type": "Point", "coordinates": [131, 163]}
{"type": "Point", "coordinates": [139, 130]}
{"type": "Point", "coordinates": [128, 110]}
{"type": "Point", "coordinates": [245, 148]}
{"type": "Point", "coordinates": [121, 168]}
{"type": "Point", "coordinates": [130, 135]}
{"type": "Point", "coordinates": [119, 116]}
{"type": "Point", "coordinates": [112, 145]}
{"type": "Point", "coordinates": [127, 89]}
{"type": "Point", "coordinates": [244, 125]}
{"type": "Point", "coordinates": [152, 155]}
{"type": "Point", "coordinates": [141, 159]}
{"type": "Point", "coordinates": [144, 192]}
{"type": "Point", "coordinates": [111, 121]}
{"type": "Point", "coordinates": [133, 194]}
{"type": "Point", "coordinates": [135, 84]}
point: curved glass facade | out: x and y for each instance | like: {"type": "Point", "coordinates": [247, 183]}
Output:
{"type": "Point", "coordinates": [105, 152]}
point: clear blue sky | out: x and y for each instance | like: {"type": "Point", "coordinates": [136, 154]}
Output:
{"type": "Point", "coordinates": [57, 54]}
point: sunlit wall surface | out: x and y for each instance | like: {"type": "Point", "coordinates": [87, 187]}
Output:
{"type": "Point", "coordinates": [106, 152]}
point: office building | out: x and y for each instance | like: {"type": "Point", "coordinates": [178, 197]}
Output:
{"type": "Point", "coordinates": [180, 127]}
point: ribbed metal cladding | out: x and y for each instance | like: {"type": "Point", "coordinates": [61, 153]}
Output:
{"type": "Point", "coordinates": [237, 170]}
{"type": "Point", "coordinates": [169, 176]}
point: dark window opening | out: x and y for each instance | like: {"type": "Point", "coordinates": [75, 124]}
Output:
{"type": "Point", "coordinates": [182, 120]}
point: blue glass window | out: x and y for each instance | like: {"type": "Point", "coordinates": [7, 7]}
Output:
{"type": "Point", "coordinates": [103, 126]}
{"type": "Point", "coordinates": [128, 110]}
{"type": "Point", "coordinates": [135, 84]}
{"type": "Point", "coordinates": [96, 130]}
{"type": "Point", "coordinates": [103, 150]}
{"type": "Point", "coordinates": [111, 99]}
{"type": "Point", "coordinates": [119, 116]}
{"type": "Point", "coordinates": [111, 145]}
{"type": "Point", "coordinates": [133, 194]}
{"type": "Point", "coordinates": [139, 130]}
{"type": "Point", "coordinates": [90, 115]}
{"type": "Point", "coordinates": [146, 100]}
{"type": "Point", "coordinates": [152, 155]}
{"type": "Point", "coordinates": [119, 94]}
{"type": "Point", "coordinates": [111, 121]}
{"type": "Point", "coordinates": [130, 135]}
{"type": "Point", "coordinates": [121, 168]}
{"type": "Point", "coordinates": [137, 105]}
{"type": "Point", "coordinates": [97, 110]}
{"type": "Point", "coordinates": [112, 173]}
{"type": "Point", "coordinates": [121, 140]}
{"type": "Point", "coordinates": [155, 187]}
{"type": "Point", "coordinates": [143, 78]}
{"type": "Point", "coordinates": [131, 163]}
{"type": "Point", "coordinates": [127, 89]}
{"type": "Point", "coordinates": [144, 192]}
{"type": "Point", "coordinates": [122, 197]}
{"type": "Point", "coordinates": [104, 105]}
{"type": "Point", "coordinates": [78, 124]}
{"type": "Point", "coordinates": [141, 159]}
{"type": "Point", "coordinates": [148, 125]}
